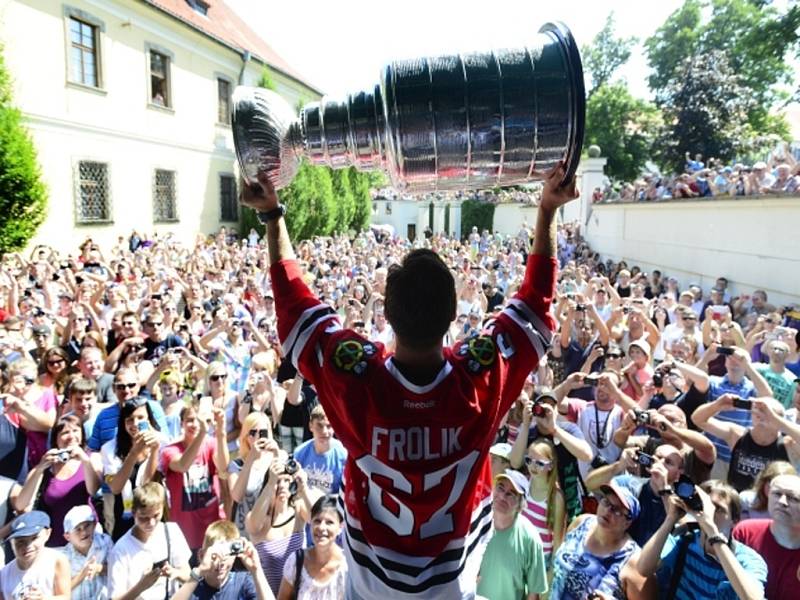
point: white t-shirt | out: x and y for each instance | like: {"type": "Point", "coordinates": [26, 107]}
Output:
{"type": "Point", "coordinates": [112, 464]}
{"type": "Point", "coordinates": [41, 574]}
{"type": "Point", "coordinates": [131, 559]}
{"type": "Point", "coordinates": [598, 427]}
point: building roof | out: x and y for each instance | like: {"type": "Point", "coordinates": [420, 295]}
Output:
{"type": "Point", "coordinates": [224, 25]}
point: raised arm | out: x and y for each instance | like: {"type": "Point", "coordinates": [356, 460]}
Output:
{"type": "Point", "coordinates": [703, 417]}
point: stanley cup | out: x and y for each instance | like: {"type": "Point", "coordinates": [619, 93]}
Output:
{"type": "Point", "coordinates": [453, 122]}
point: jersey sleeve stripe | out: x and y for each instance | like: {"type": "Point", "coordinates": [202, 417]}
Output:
{"type": "Point", "coordinates": [307, 318]}
{"type": "Point", "coordinates": [544, 330]}
{"type": "Point", "coordinates": [307, 332]}
{"type": "Point", "coordinates": [540, 343]}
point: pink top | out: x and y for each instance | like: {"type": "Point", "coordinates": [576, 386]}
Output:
{"type": "Point", "coordinates": [536, 513]}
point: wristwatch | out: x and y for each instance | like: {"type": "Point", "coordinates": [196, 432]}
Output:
{"type": "Point", "coordinates": [271, 215]}
{"type": "Point", "coordinates": [717, 539]}
{"type": "Point", "coordinates": [194, 574]}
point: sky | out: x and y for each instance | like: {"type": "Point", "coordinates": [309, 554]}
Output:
{"type": "Point", "coordinates": [340, 46]}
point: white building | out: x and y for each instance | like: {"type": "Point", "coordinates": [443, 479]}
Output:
{"type": "Point", "coordinates": [411, 217]}
{"type": "Point", "coordinates": [128, 103]}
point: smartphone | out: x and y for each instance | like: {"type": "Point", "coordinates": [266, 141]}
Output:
{"type": "Point", "coordinates": [743, 404]}
{"type": "Point", "coordinates": [590, 380]}
{"type": "Point", "coordinates": [725, 351]}
{"type": "Point", "coordinates": [158, 565]}
{"type": "Point", "coordinates": [143, 426]}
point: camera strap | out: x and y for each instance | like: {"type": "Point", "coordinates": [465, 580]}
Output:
{"type": "Point", "coordinates": [677, 571]}
{"type": "Point", "coordinates": [169, 551]}
{"type": "Point", "coordinates": [299, 555]}
{"type": "Point", "coordinates": [601, 435]}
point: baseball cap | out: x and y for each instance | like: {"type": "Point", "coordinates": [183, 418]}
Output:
{"type": "Point", "coordinates": [518, 481]}
{"type": "Point", "coordinates": [77, 515]}
{"type": "Point", "coordinates": [760, 165]}
{"type": "Point", "coordinates": [28, 524]}
{"type": "Point", "coordinates": [624, 494]}
{"type": "Point", "coordinates": [503, 450]}
{"type": "Point", "coordinates": [41, 330]}
{"type": "Point", "coordinates": [642, 344]}
{"type": "Point", "coordinates": [546, 394]}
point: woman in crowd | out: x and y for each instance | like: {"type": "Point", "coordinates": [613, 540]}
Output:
{"type": "Point", "coordinates": [596, 548]}
{"type": "Point", "coordinates": [276, 525]}
{"type": "Point", "coordinates": [323, 570]}
{"type": "Point", "coordinates": [130, 460]}
{"type": "Point", "coordinates": [191, 467]}
{"type": "Point", "coordinates": [65, 477]}
{"type": "Point", "coordinates": [545, 504]}
{"type": "Point", "coordinates": [219, 396]}
{"type": "Point", "coordinates": [53, 367]}
{"type": "Point", "coordinates": [30, 406]}
{"type": "Point", "coordinates": [247, 474]}
{"type": "Point", "coordinates": [754, 500]}
{"type": "Point", "coordinates": [261, 393]}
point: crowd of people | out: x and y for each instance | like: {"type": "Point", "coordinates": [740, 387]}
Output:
{"type": "Point", "coordinates": [157, 440]}
{"type": "Point", "coordinates": [780, 174]}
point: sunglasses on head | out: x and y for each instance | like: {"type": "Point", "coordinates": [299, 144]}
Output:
{"type": "Point", "coordinates": [135, 402]}
{"type": "Point", "coordinates": [223, 376]}
{"type": "Point", "coordinates": [125, 386]}
{"type": "Point", "coordinates": [260, 433]}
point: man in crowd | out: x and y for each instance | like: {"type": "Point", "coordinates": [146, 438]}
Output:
{"type": "Point", "coordinates": [513, 565]}
{"type": "Point", "coordinates": [322, 457]}
{"type": "Point", "coordinates": [407, 438]}
{"type": "Point", "coordinates": [90, 365]}
{"type": "Point", "coordinates": [778, 377]}
{"type": "Point", "coordinates": [777, 539]}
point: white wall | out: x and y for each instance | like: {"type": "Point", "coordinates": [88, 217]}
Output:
{"type": "Point", "coordinates": [509, 217]}
{"type": "Point", "coordinates": [753, 242]}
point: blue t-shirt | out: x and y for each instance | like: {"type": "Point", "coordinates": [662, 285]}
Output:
{"type": "Point", "coordinates": [238, 586]}
{"type": "Point", "coordinates": [703, 577]}
{"type": "Point", "coordinates": [324, 470]}
{"type": "Point", "coordinates": [105, 426]}
{"type": "Point", "coordinates": [744, 389]}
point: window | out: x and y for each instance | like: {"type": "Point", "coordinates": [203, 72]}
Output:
{"type": "Point", "coordinates": [229, 205]}
{"type": "Point", "coordinates": [159, 79]}
{"type": "Point", "coordinates": [198, 6]}
{"type": "Point", "coordinates": [83, 53]}
{"type": "Point", "coordinates": [92, 193]}
{"type": "Point", "coordinates": [223, 101]}
{"type": "Point", "coordinates": [164, 205]}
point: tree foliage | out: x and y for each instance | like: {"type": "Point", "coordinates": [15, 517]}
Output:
{"type": "Point", "coordinates": [623, 126]}
{"type": "Point", "coordinates": [476, 213]}
{"type": "Point", "coordinates": [23, 195]}
{"type": "Point", "coordinates": [755, 38]}
{"type": "Point", "coordinates": [705, 110]}
{"type": "Point", "coordinates": [606, 54]}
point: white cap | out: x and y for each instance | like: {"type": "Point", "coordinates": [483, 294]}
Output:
{"type": "Point", "coordinates": [77, 515]}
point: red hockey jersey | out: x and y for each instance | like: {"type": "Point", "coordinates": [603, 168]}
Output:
{"type": "Point", "coordinates": [417, 484]}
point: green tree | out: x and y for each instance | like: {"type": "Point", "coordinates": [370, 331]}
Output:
{"type": "Point", "coordinates": [705, 110]}
{"type": "Point", "coordinates": [755, 38]}
{"type": "Point", "coordinates": [266, 80]}
{"type": "Point", "coordinates": [606, 54]}
{"type": "Point", "coordinates": [23, 195]}
{"type": "Point", "coordinates": [623, 126]}
{"type": "Point", "coordinates": [345, 200]}
{"type": "Point", "coordinates": [476, 213]}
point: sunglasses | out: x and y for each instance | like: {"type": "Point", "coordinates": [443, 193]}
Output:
{"type": "Point", "coordinates": [55, 362]}
{"type": "Point", "coordinates": [260, 433]}
{"type": "Point", "coordinates": [542, 464]}
{"type": "Point", "coordinates": [129, 323]}
{"type": "Point", "coordinates": [125, 386]}
{"type": "Point", "coordinates": [28, 380]}
{"type": "Point", "coordinates": [236, 324]}
{"type": "Point", "coordinates": [207, 322]}
{"type": "Point", "coordinates": [614, 355]}
{"type": "Point", "coordinates": [218, 377]}
{"type": "Point", "coordinates": [154, 323]}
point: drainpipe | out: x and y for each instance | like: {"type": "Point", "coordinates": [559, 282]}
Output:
{"type": "Point", "coordinates": [245, 60]}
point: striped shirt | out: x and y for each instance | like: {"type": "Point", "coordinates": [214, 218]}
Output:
{"type": "Point", "coordinates": [744, 389]}
{"type": "Point", "coordinates": [273, 554]}
{"type": "Point", "coordinates": [536, 513]}
{"type": "Point", "coordinates": [702, 577]}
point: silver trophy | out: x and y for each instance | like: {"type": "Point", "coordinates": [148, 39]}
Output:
{"type": "Point", "coordinates": [453, 122]}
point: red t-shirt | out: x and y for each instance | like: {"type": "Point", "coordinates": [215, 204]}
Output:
{"type": "Point", "coordinates": [417, 483]}
{"type": "Point", "coordinates": [194, 495]}
{"type": "Point", "coordinates": [783, 564]}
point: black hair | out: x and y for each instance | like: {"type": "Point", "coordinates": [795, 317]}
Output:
{"type": "Point", "coordinates": [420, 299]}
{"type": "Point", "coordinates": [327, 502]}
{"type": "Point", "coordinates": [124, 441]}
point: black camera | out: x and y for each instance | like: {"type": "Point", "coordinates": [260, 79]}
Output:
{"type": "Point", "coordinates": [291, 468]}
{"type": "Point", "coordinates": [591, 380]}
{"type": "Point", "coordinates": [658, 380]}
{"type": "Point", "coordinates": [580, 308]}
{"type": "Point", "coordinates": [538, 410]}
{"type": "Point", "coordinates": [725, 351]}
{"type": "Point", "coordinates": [742, 403]}
{"type": "Point", "coordinates": [598, 461]}
{"type": "Point", "coordinates": [236, 547]}
{"type": "Point", "coordinates": [686, 491]}
{"type": "Point", "coordinates": [644, 459]}
{"type": "Point", "coordinates": [642, 417]}
{"type": "Point", "coordinates": [626, 310]}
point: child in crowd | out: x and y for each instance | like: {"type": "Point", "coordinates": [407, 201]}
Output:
{"type": "Point", "coordinates": [87, 551]}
